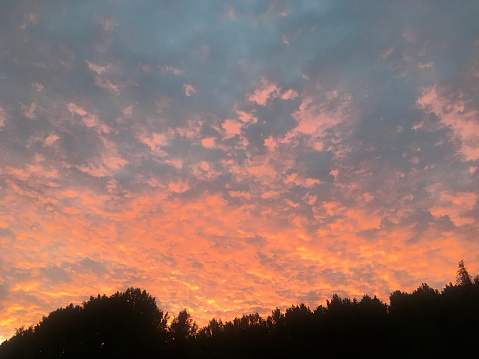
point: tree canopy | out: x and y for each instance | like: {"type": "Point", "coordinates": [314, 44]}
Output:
{"type": "Point", "coordinates": [424, 323]}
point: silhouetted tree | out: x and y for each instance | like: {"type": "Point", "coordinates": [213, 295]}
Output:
{"type": "Point", "coordinates": [424, 323]}
{"type": "Point", "coordinates": [276, 320]}
{"type": "Point", "coordinates": [213, 329]}
{"type": "Point", "coordinates": [183, 327]}
{"type": "Point", "coordinates": [126, 324]}
{"type": "Point", "coordinates": [182, 330]}
{"type": "Point", "coordinates": [463, 277]}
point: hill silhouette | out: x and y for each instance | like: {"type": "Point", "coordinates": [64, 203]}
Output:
{"type": "Point", "coordinates": [423, 324]}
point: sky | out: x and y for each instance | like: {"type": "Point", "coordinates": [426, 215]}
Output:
{"type": "Point", "coordinates": [232, 157]}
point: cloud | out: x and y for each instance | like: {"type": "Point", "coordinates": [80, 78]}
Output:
{"type": "Point", "coordinates": [232, 127]}
{"type": "Point", "coordinates": [7, 233]}
{"type": "Point", "coordinates": [4, 289]}
{"type": "Point", "coordinates": [171, 70]}
{"type": "Point", "coordinates": [178, 187]}
{"type": "Point", "coordinates": [29, 111]}
{"type": "Point", "coordinates": [3, 117]}
{"type": "Point", "coordinates": [30, 19]}
{"type": "Point", "coordinates": [238, 157]}
{"type": "Point", "coordinates": [189, 90]}
{"type": "Point", "coordinates": [455, 112]}
{"type": "Point", "coordinates": [97, 68]}
{"type": "Point", "coordinates": [265, 91]}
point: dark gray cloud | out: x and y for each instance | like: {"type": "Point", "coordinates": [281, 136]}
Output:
{"type": "Point", "coordinates": [4, 289]}
{"type": "Point", "coordinates": [7, 233]}
{"type": "Point", "coordinates": [55, 274]}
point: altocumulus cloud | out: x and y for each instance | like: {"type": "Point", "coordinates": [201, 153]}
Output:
{"type": "Point", "coordinates": [234, 157]}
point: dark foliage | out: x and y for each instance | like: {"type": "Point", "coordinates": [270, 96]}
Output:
{"type": "Point", "coordinates": [423, 324]}
{"type": "Point", "coordinates": [125, 324]}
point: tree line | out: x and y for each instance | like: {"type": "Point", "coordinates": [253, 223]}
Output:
{"type": "Point", "coordinates": [424, 323]}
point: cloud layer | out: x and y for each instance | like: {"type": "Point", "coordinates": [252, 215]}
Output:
{"type": "Point", "coordinates": [232, 158]}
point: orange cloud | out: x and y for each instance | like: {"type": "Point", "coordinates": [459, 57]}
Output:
{"type": "Point", "coordinates": [178, 187]}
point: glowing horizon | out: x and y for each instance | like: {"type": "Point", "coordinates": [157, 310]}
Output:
{"type": "Point", "coordinates": [234, 158]}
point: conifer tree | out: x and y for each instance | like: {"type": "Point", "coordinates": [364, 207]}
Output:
{"type": "Point", "coordinates": [463, 277]}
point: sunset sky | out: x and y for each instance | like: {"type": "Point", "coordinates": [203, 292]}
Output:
{"type": "Point", "coordinates": [233, 157]}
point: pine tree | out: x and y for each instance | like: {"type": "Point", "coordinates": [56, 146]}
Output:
{"type": "Point", "coordinates": [463, 277]}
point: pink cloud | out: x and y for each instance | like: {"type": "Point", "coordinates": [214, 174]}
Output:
{"type": "Point", "coordinates": [106, 163]}
{"type": "Point", "coordinates": [454, 204]}
{"type": "Point", "coordinates": [425, 65]}
{"type": "Point", "coordinates": [192, 130]}
{"type": "Point", "coordinates": [189, 89]}
{"type": "Point", "coordinates": [95, 170]}
{"type": "Point", "coordinates": [3, 117]}
{"type": "Point", "coordinates": [128, 111]}
{"type": "Point", "coordinates": [179, 187]}
{"type": "Point", "coordinates": [108, 24]}
{"type": "Point", "coordinates": [455, 114]}
{"type": "Point", "coordinates": [385, 54]}
{"type": "Point", "coordinates": [97, 68]}
{"type": "Point", "coordinates": [29, 19]}
{"type": "Point", "coordinates": [204, 171]}
{"type": "Point", "coordinates": [289, 94]}
{"type": "Point", "coordinates": [74, 109]}
{"type": "Point", "coordinates": [37, 86]}
{"type": "Point", "coordinates": [232, 128]}
{"type": "Point", "coordinates": [315, 118]}
{"type": "Point", "coordinates": [171, 70]}
{"type": "Point", "coordinates": [29, 111]}
{"type": "Point", "coordinates": [270, 194]}
{"type": "Point", "coordinates": [106, 84]}
{"type": "Point", "coordinates": [264, 92]}
{"type": "Point", "coordinates": [90, 120]}
{"type": "Point", "coordinates": [110, 156]}
{"type": "Point", "coordinates": [240, 194]}
{"type": "Point", "coordinates": [155, 140]}
{"type": "Point", "coordinates": [209, 142]}
{"type": "Point", "coordinates": [175, 162]}
{"type": "Point", "coordinates": [246, 117]}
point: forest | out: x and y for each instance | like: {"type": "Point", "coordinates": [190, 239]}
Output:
{"type": "Point", "coordinates": [423, 324]}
